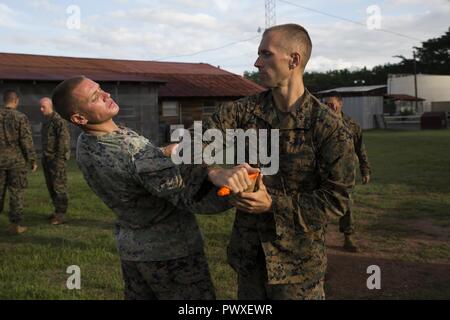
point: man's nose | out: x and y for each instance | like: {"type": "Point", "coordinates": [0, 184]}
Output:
{"type": "Point", "coordinates": [257, 63]}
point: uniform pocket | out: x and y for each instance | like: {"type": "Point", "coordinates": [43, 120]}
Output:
{"type": "Point", "coordinates": [308, 219]}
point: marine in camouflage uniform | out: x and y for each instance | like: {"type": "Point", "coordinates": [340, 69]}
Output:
{"type": "Point", "coordinates": [281, 254]}
{"type": "Point", "coordinates": [159, 242]}
{"type": "Point", "coordinates": [55, 153]}
{"type": "Point", "coordinates": [346, 222]}
{"type": "Point", "coordinates": [277, 248]}
{"type": "Point", "coordinates": [158, 239]}
{"type": "Point", "coordinates": [16, 155]}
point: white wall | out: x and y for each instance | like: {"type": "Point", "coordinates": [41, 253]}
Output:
{"type": "Point", "coordinates": [363, 109]}
{"type": "Point", "coordinates": [429, 87]}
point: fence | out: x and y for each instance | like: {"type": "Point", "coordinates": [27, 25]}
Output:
{"type": "Point", "coordinates": [399, 122]}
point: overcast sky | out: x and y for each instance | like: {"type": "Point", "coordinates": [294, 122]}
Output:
{"type": "Point", "coordinates": [220, 32]}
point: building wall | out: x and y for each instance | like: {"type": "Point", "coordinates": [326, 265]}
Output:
{"type": "Point", "coordinates": [189, 110]}
{"type": "Point", "coordinates": [139, 107]}
{"type": "Point", "coordinates": [362, 109]}
{"type": "Point", "coordinates": [138, 103]}
{"type": "Point", "coordinates": [429, 87]}
{"type": "Point", "coordinates": [440, 106]}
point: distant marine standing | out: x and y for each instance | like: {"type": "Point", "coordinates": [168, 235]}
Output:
{"type": "Point", "coordinates": [346, 222]}
{"type": "Point", "coordinates": [55, 154]}
{"type": "Point", "coordinates": [16, 154]}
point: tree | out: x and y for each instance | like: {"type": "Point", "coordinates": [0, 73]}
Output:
{"type": "Point", "coordinates": [252, 75]}
{"type": "Point", "coordinates": [434, 55]}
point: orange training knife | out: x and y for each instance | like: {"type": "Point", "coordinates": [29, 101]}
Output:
{"type": "Point", "coordinates": [225, 191]}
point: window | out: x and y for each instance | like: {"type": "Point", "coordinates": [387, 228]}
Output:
{"type": "Point", "coordinates": [170, 109]}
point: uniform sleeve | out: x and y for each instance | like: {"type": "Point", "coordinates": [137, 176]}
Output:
{"type": "Point", "coordinates": [229, 115]}
{"type": "Point", "coordinates": [332, 196]}
{"type": "Point", "coordinates": [62, 140]}
{"type": "Point", "coordinates": [360, 150]}
{"type": "Point", "coordinates": [184, 186]}
{"type": "Point", "coordinates": [26, 142]}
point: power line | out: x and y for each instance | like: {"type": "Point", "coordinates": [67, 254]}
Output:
{"type": "Point", "coordinates": [208, 50]}
{"type": "Point", "coordinates": [348, 20]}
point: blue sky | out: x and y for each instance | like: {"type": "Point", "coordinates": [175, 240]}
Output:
{"type": "Point", "coordinates": [192, 30]}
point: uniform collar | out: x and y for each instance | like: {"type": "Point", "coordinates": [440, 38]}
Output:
{"type": "Point", "coordinates": [53, 115]}
{"type": "Point", "coordinates": [300, 116]}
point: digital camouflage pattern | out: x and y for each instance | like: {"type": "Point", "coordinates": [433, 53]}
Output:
{"type": "Point", "coordinates": [153, 199]}
{"type": "Point", "coordinates": [360, 148]}
{"type": "Point", "coordinates": [186, 278]}
{"type": "Point", "coordinates": [16, 140]}
{"type": "Point", "coordinates": [55, 153]}
{"type": "Point", "coordinates": [15, 181]}
{"type": "Point", "coordinates": [254, 286]}
{"type": "Point", "coordinates": [315, 179]}
{"type": "Point", "coordinates": [55, 138]}
{"type": "Point", "coordinates": [346, 223]}
{"type": "Point", "coordinates": [17, 153]}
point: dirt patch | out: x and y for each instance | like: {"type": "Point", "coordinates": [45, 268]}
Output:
{"type": "Point", "coordinates": [427, 230]}
{"type": "Point", "coordinates": [347, 272]}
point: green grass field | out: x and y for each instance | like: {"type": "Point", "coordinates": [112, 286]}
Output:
{"type": "Point", "coordinates": [402, 217]}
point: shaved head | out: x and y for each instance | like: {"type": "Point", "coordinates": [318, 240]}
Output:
{"type": "Point", "coordinates": [46, 106]}
{"type": "Point", "coordinates": [46, 100]}
{"type": "Point", "coordinates": [294, 38]}
{"type": "Point", "coordinates": [10, 96]}
{"type": "Point", "coordinates": [63, 99]}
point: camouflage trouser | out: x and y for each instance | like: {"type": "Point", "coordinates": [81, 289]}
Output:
{"type": "Point", "coordinates": [185, 278]}
{"type": "Point", "coordinates": [254, 286]}
{"type": "Point", "coordinates": [15, 181]}
{"type": "Point", "coordinates": [56, 180]}
{"type": "Point", "coordinates": [346, 224]}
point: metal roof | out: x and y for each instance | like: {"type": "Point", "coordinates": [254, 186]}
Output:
{"type": "Point", "coordinates": [354, 89]}
{"type": "Point", "coordinates": [182, 79]}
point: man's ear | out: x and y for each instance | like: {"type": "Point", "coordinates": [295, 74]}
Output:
{"type": "Point", "coordinates": [295, 60]}
{"type": "Point", "coordinates": [78, 119]}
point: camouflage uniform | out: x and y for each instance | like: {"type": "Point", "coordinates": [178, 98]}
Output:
{"type": "Point", "coordinates": [158, 239]}
{"type": "Point", "coordinates": [55, 153]}
{"type": "Point", "coordinates": [17, 153]}
{"type": "Point", "coordinates": [346, 222]}
{"type": "Point", "coordinates": [281, 254]}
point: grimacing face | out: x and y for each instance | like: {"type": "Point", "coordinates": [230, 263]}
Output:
{"type": "Point", "coordinates": [273, 61]}
{"type": "Point", "coordinates": [95, 105]}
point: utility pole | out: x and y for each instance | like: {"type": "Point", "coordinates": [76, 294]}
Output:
{"type": "Point", "coordinates": [271, 15]}
{"type": "Point", "coordinates": [415, 79]}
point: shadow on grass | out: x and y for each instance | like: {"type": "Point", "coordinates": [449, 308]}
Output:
{"type": "Point", "coordinates": [33, 220]}
{"type": "Point", "coordinates": [347, 278]}
{"type": "Point", "coordinates": [91, 223]}
{"type": "Point", "coordinates": [52, 241]}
